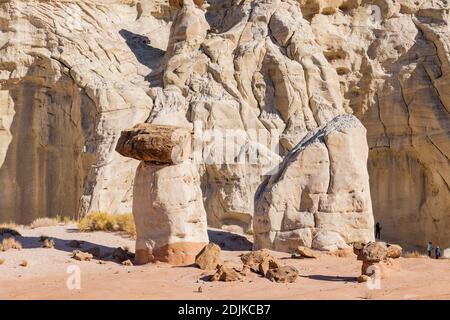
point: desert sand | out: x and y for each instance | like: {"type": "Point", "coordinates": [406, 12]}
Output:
{"type": "Point", "coordinates": [328, 277]}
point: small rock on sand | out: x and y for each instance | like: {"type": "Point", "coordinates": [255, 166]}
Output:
{"type": "Point", "coordinates": [127, 263]}
{"type": "Point", "coordinates": [48, 243]}
{"type": "Point", "coordinates": [225, 273]}
{"type": "Point", "coordinates": [285, 274]}
{"type": "Point", "coordinates": [307, 252]}
{"type": "Point", "coordinates": [209, 257]}
{"type": "Point", "coordinates": [82, 256]}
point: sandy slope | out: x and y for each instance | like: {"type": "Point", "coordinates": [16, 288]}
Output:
{"type": "Point", "coordinates": [325, 278]}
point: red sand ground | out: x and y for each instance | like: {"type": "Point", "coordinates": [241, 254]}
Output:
{"type": "Point", "coordinates": [328, 277]}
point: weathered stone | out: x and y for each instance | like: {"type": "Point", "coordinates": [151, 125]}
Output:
{"type": "Point", "coordinates": [394, 251]}
{"type": "Point", "coordinates": [266, 265]}
{"type": "Point", "coordinates": [225, 273]}
{"type": "Point", "coordinates": [285, 274]}
{"type": "Point", "coordinates": [283, 67]}
{"type": "Point", "coordinates": [378, 258]}
{"type": "Point", "coordinates": [318, 178]}
{"type": "Point", "coordinates": [81, 256]}
{"type": "Point", "coordinates": [48, 243]}
{"type": "Point", "coordinates": [254, 259]}
{"type": "Point", "coordinates": [155, 143]}
{"type": "Point", "coordinates": [170, 224]}
{"type": "Point", "coordinates": [127, 263]}
{"type": "Point", "coordinates": [307, 252]}
{"type": "Point", "coordinates": [209, 257]}
{"type": "Point", "coordinates": [374, 252]}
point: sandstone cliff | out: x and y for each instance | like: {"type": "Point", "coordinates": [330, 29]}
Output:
{"type": "Point", "coordinates": [73, 74]}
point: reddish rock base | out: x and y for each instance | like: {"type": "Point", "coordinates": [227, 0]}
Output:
{"type": "Point", "coordinates": [175, 253]}
{"type": "Point", "coordinates": [384, 267]}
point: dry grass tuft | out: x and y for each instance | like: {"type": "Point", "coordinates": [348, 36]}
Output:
{"type": "Point", "coordinates": [63, 219]}
{"type": "Point", "coordinates": [44, 222]}
{"type": "Point", "coordinates": [10, 243]}
{"type": "Point", "coordinates": [414, 254]}
{"type": "Point", "coordinates": [101, 221]}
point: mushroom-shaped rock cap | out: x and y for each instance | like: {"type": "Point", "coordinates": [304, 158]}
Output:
{"type": "Point", "coordinates": [155, 143]}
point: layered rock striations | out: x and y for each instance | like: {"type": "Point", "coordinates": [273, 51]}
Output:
{"type": "Point", "coordinates": [74, 74]}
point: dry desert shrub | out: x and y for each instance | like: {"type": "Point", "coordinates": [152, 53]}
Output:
{"type": "Point", "coordinates": [414, 254]}
{"type": "Point", "coordinates": [10, 243]}
{"type": "Point", "coordinates": [2, 261]}
{"type": "Point", "coordinates": [102, 221]}
{"type": "Point", "coordinates": [44, 222]}
{"type": "Point", "coordinates": [63, 219]}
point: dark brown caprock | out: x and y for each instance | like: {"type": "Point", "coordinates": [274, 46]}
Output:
{"type": "Point", "coordinates": [155, 143]}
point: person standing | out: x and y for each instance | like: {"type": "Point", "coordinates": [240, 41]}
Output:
{"type": "Point", "coordinates": [437, 252]}
{"type": "Point", "coordinates": [429, 248]}
{"type": "Point", "coordinates": [378, 231]}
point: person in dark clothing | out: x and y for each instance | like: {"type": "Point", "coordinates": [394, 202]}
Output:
{"type": "Point", "coordinates": [437, 252]}
{"type": "Point", "coordinates": [378, 231]}
{"type": "Point", "coordinates": [429, 248]}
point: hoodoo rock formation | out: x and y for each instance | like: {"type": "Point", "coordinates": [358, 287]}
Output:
{"type": "Point", "coordinates": [169, 213]}
{"type": "Point", "coordinates": [265, 87]}
{"type": "Point", "coordinates": [320, 196]}
{"type": "Point", "coordinates": [167, 200]}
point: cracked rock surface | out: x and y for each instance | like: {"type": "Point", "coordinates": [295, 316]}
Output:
{"type": "Point", "coordinates": [74, 74]}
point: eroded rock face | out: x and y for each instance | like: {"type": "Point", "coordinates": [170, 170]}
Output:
{"type": "Point", "coordinates": [395, 74]}
{"type": "Point", "coordinates": [320, 197]}
{"type": "Point", "coordinates": [169, 213]}
{"type": "Point", "coordinates": [282, 67]}
{"type": "Point", "coordinates": [73, 74]}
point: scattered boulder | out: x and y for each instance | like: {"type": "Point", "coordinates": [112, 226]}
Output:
{"type": "Point", "coordinates": [394, 251]}
{"type": "Point", "coordinates": [378, 258]}
{"type": "Point", "coordinates": [285, 274]}
{"type": "Point", "coordinates": [307, 252]}
{"type": "Point", "coordinates": [254, 259]}
{"type": "Point", "coordinates": [225, 273]}
{"type": "Point", "coordinates": [10, 243]}
{"type": "Point", "coordinates": [24, 263]}
{"type": "Point", "coordinates": [209, 257]}
{"type": "Point", "coordinates": [48, 243]}
{"type": "Point", "coordinates": [267, 265]}
{"type": "Point", "coordinates": [342, 253]}
{"type": "Point", "coordinates": [82, 256]}
{"type": "Point", "coordinates": [127, 263]}
{"type": "Point", "coordinates": [2, 261]}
